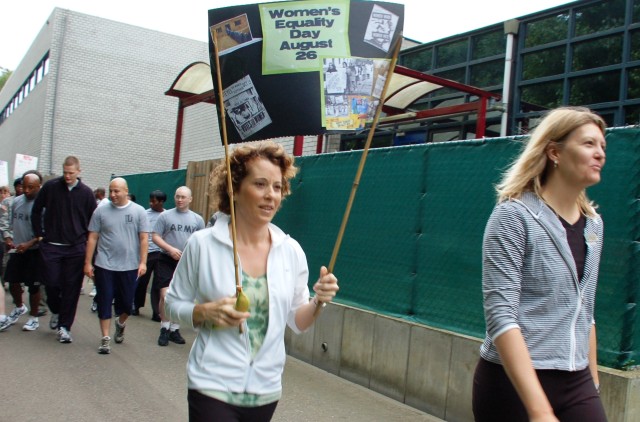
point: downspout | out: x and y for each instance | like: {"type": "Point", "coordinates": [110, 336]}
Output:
{"type": "Point", "coordinates": [511, 30]}
{"type": "Point", "coordinates": [58, 58]}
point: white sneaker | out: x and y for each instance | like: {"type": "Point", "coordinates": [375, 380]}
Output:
{"type": "Point", "coordinates": [93, 292]}
{"type": "Point", "coordinates": [64, 336]}
{"type": "Point", "coordinates": [53, 322]}
{"type": "Point", "coordinates": [31, 325]}
{"type": "Point", "coordinates": [5, 324]}
{"type": "Point", "coordinates": [17, 313]}
{"type": "Point", "coordinates": [105, 347]}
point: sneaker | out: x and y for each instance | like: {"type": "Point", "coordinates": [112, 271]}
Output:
{"type": "Point", "coordinates": [105, 347]}
{"type": "Point", "coordinates": [119, 335]}
{"type": "Point", "coordinates": [93, 292]}
{"type": "Point", "coordinates": [53, 322]}
{"type": "Point", "coordinates": [17, 313]}
{"type": "Point", "coordinates": [163, 340]}
{"type": "Point", "coordinates": [94, 306]}
{"type": "Point", "coordinates": [155, 317]}
{"type": "Point", "coordinates": [42, 311]}
{"type": "Point", "coordinates": [64, 336]}
{"type": "Point", "coordinates": [31, 325]}
{"type": "Point", "coordinates": [175, 337]}
{"type": "Point", "coordinates": [5, 324]}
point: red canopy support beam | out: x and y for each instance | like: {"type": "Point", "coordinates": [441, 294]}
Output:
{"type": "Point", "coordinates": [319, 144]}
{"type": "Point", "coordinates": [481, 121]}
{"type": "Point", "coordinates": [298, 142]}
{"type": "Point", "coordinates": [178, 142]}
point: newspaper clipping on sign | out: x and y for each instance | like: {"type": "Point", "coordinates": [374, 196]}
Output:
{"type": "Point", "coordinates": [245, 108]}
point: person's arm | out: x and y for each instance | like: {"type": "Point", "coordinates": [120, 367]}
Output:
{"type": "Point", "coordinates": [144, 248]}
{"type": "Point", "coordinates": [174, 253]}
{"type": "Point", "coordinates": [36, 212]}
{"type": "Point", "coordinates": [593, 356]}
{"type": "Point", "coordinates": [92, 240]}
{"type": "Point", "coordinates": [6, 226]}
{"type": "Point", "coordinates": [503, 257]}
{"type": "Point", "coordinates": [325, 290]}
{"type": "Point", "coordinates": [519, 368]}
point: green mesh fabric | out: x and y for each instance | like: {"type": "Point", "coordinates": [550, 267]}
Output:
{"type": "Point", "coordinates": [413, 244]}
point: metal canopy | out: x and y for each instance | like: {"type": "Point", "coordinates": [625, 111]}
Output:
{"type": "Point", "coordinates": [194, 85]}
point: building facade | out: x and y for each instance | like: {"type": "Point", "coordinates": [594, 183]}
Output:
{"type": "Point", "coordinates": [584, 53]}
{"type": "Point", "coordinates": [94, 88]}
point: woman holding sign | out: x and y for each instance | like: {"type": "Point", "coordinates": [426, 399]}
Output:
{"type": "Point", "coordinates": [231, 375]}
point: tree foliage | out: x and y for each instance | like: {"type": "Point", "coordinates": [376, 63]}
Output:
{"type": "Point", "coordinates": [4, 76]}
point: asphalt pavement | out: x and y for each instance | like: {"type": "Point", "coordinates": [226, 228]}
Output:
{"type": "Point", "coordinates": [43, 380]}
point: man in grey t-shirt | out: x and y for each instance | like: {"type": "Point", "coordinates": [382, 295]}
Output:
{"type": "Point", "coordinates": [170, 233]}
{"type": "Point", "coordinates": [120, 231]}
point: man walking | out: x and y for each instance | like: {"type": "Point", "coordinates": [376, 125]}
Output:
{"type": "Point", "coordinates": [157, 198]}
{"type": "Point", "coordinates": [120, 230]}
{"type": "Point", "coordinates": [22, 266]}
{"type": "Point", "coordinates": [62, 231]}
{"type": "Point", "coordinates": [170, 233]}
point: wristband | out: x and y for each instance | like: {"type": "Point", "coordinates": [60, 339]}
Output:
{"type": "Point", "coordinates": [315, 302]}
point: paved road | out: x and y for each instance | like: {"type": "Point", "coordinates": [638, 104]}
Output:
{"type": "Point", "coordinates": [43, 380]}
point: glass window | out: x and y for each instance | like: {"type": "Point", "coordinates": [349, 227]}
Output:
{"type": "Point", "coordinates": [419, 60]}
{"type": "Point", "coordinates": [39, 74]}
{"type": "Point", "coordinates": [633, 83]}
{"type": "Point", "coordinates": [457, 75]}
{"type": "Point", "coordinates": [452, 53]}
{"type": "Point", "coordinates": [635, 46]}
{"type": "Point", "coordinates": [632, 115]}
{"type": "Point", "coordinates": [46, 65]}
{"type": "Point", "coordinates": [636, 10]}
{"type": "Point", "coordinates": [600, 17]}
{"type": "Point", "coordinates": [594, 89]}
{"type": "Point", "coordinates": [32, 82]}
{"type": "Point", "coordinates": [487, 74]}
{"type": "Point", "coordinates": [597, 53]}
{"type": "Point", "coordinates": [20, 96]}
{"type": "Point", "coordinates": [554, 28]}
{"type": "Point", "coordinates": [543, 63]}
{"type": "Point", "coordinates": [546, 95]}
{"type": "Point", "coordinates": [487, 45]}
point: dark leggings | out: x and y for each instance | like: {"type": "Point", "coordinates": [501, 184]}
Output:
{"type": "Point", "coordinates": [573, 395]}
{"type": "Point", "coordinates": [203, 408]}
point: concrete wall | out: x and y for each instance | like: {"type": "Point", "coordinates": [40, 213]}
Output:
{"type": "Point", "coordinates": [429, 369]}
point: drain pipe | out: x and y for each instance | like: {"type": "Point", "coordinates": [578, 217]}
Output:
{"type": "Point", "coordinates": [511, 31]}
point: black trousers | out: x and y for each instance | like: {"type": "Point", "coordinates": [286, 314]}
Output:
{"type": "Point", "coordinates": [203, 408]}
{"type": "Point", "coordinates": [143, 283]}
{"type": "Point", "coordinates": [573, 395]}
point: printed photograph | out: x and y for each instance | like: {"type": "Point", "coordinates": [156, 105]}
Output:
{"type": "Point", "coordinates": [244, 108]}
{"type": "Point", "coordinates": [232, 34]}
{"type": "Point", "coordinates": [381, 27]}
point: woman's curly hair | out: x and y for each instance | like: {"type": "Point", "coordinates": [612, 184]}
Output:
{"type": "Point", "coordinates": [240, 156]}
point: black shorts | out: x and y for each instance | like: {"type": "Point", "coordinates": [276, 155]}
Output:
{"type": "Point", "coordinates": [164, 270]}
{"type": "Point", "coordinates": [23, 268]}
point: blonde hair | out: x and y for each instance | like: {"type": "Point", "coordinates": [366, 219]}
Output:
{"type": "Point", "coordinates": [239, 158]}
{"type": "Point", "coordinates": [529, 171]}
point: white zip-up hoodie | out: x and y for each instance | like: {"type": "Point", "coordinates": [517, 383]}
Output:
{"type": "Point", "coordinates": [220, 358]}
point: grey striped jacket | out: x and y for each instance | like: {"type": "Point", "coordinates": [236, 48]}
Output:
{"type": "Point", "coordinates": [530, 282]}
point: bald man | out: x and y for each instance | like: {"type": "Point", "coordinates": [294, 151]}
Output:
{"type": "Point", "coordinates": [119, 231]}
{"type": "Point", "coordinates": [22, 267]}
{"type": "Point", "coordinates": [171, 232]}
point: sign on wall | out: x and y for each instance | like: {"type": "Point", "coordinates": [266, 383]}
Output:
{"type": "Point", "coordinates": [24, 163]}
{"type": "Point", "coordinates": [302, 67]}
{"type": "Point", "coordinates": [4, 173]}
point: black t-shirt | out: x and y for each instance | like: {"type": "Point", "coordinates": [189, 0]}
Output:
{"type": "Point", "coordinates": [575, 237]}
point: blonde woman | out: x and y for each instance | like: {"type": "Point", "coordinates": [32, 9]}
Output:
{"type": "Point", "coordinates": [541, 253]}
